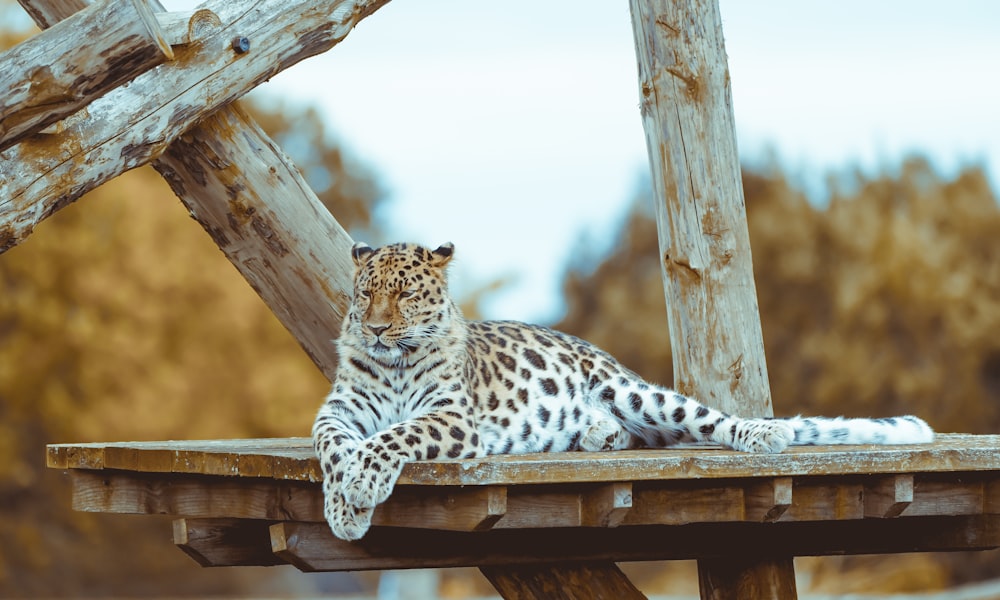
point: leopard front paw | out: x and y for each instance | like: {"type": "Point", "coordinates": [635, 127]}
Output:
{"type": "Point", "coordinates": [604, 435]}
{"type": "Point", "coordinates": [347, 522]}
{"type": "Point", "coordinates": [369, 476]}
{"type": "Point", "coordinates": [762, 436]}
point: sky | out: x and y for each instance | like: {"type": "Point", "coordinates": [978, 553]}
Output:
{"type": "Point", "coordinates": [512, 129]}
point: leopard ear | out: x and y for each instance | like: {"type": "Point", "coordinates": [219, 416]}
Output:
{"type": "Point", "coordinates": [360, 253]}
{"type": "Point", "coordinates": [443, 254]}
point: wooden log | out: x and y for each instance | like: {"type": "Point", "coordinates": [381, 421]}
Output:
{"type": "Point", "coordinates": [311, 546]}
{"type": "Point", "coordinates": [718, 346]}
{"type": "Point", "coordinates": [562, 581]}
{"type": "Point", "coordinates": [687, 112]}
{"type": "Point", "coordinates": [302, 278]}
{"type": "Point", "coordinates": [258, 208]}
{"type": "Point", "coordinates": [46, 172]}
{"type": "Point", "coordinates": [59, 71]}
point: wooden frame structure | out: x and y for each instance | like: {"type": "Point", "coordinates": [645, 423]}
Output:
{"type": "Point", "coordinates": [540, 526]}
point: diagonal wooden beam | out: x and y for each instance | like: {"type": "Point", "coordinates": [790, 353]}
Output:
{"type": "Point", "coordinates": [137, 122]}
{"type": "Point", "coordinates": [242, 189]}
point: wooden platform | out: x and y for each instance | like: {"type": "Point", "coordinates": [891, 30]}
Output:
{"type": "Point", "coordinates": [258, 502]}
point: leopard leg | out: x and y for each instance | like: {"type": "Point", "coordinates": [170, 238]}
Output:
{"type": "Point", "coordinates": [370, 473]}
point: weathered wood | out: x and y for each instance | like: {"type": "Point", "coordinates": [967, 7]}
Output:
{"type": "Point", "coordinates": [256, 204]}
{"type": "Point", "coordinates": [715, 331]}
{"type": "Point", "coordinates": [479, 508]}
{"type": "Point", "coordinates": [46, 172]}
{"type": "Point", "coordinates": [59, 71]}
{"type": "Point", "coordinates": [311, 546]}
{"type": "Point", "coordinates": [258, 208]}
{"type": "Point", "coordinates": [889, 496]}
{"type": "Point", "coordinates": [769, 499]}
{"type": "Point", "coordinates": [293, 458]}
{"type": "Point", "coordinates": [226, 542]}
{"type": "Point", "coordinates": [561, 581]}
{"type": "Point", "coordinates": [747, 577]}
{"type": "Point", "coordinates": [687, 113]}
{"type": "Point", "coordinates": [607, 505]}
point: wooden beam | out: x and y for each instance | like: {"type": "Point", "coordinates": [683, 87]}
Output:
{"type": "Point", "coordinates": [311, 546]}
{"type": "Point", "coordinates": [226, 542]}
{"type": "Point", "coordinates": [562, 581]}
{"type": "Point", "coordinates": [247, 195]}
{"type": "Point", "coordinates": [139, 121]}
{"type": "Point", "coordinates": [293, 458]}
{"type": "Point", "coordinates": [61, 70]}
{"type": "Point", "coordinates": [715, 330]}
{"type": "Point", "coordinates": [746, 577]}
{"type": "Point", "coordinates": [253, 201]}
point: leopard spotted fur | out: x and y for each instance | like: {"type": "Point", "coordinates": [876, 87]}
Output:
{"type": "Point", "coordinates": [417, 381]}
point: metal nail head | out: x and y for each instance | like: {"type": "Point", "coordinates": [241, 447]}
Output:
{"type": "Point", "coordinates": [241, 45]}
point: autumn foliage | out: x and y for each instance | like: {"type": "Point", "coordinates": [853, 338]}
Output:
{"type": "Point", "coordinates": [885, 301]}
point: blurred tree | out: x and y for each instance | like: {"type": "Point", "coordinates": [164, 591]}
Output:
{"type": "Point", "coordinates": [885, 302]}
{"type": "Point", "coordinates": [120, 319]}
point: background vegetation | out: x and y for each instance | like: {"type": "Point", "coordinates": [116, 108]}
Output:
{"type": "Point", "coordinates": [119, 319]}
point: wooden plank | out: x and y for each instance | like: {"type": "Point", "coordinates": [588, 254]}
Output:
{"type": "Point", "coordinates": [293, 458]}
{"type": "Point", "coordinates": [54, 74]}
{"type": "Point", "coordinates": [823, 499]}
{"type": "Point", "coordinates": [46, 172]}
{"type": "Point", "coordinates": [680, 502]}
{"type": "Point", "coordinates": [197, 496]}
{"type": "Point", "coordinates": [459, 509]}
{"type": "Point", "coordinates": [226, 542]}
{"type": "Point", "coordinates": [561, 581]}
{"type": "Point", "coordinates": [311, 546]}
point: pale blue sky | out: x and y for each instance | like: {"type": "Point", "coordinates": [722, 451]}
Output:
{"type": "Point", "coordinates": [512, 128]}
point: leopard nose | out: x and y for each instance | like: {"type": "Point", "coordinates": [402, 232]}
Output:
{"type": "Point", "coordinates": [378, 329]}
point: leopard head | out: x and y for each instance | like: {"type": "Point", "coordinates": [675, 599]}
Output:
{"type": "Point", "coordinates": [401, 302]}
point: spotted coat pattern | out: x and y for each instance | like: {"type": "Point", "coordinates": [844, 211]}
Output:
{"type": "Point", "coordinates": [417, 381]}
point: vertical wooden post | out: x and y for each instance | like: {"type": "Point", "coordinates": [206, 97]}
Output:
{"type": "Point", "coordinates": [716, 338]}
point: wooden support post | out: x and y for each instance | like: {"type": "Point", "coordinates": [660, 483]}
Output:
{"type": "Point", "coordinates": [718, 347]}
{"type": "Point", "coordinates": [59, 71]}
{"type": "Point", "coordinates": [562, 582]}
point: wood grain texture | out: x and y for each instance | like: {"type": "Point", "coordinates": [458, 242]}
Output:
{"type": "Point", "coordinates": [562, 581]}
{"type": "Point", "coordinates": [718, 347]}
{"type": "Point", "coordinates": [226, 542]}
{"type": "Point", "coordinates": [311, 546]}
{"type": "Point", "coordinates": [747, 577]}
{"type": "Point", "coordinates": [257, 207]}
{"type": "Point", "coordinates": [59, 71]}
{"type": "Point", "coordinates": [138, 122]}
{"type": "Point", "coordinates": [255, 204]}
{"type": "Point", "coordinates": [293, 458]}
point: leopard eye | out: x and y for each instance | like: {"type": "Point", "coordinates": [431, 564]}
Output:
{"type": "Point", "coordinates": [366, 294]}
{"type": "Point", "coordinates": [407, 293]}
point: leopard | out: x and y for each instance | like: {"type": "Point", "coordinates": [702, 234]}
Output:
{"type": "Point", "coordinates": [416, 380]}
